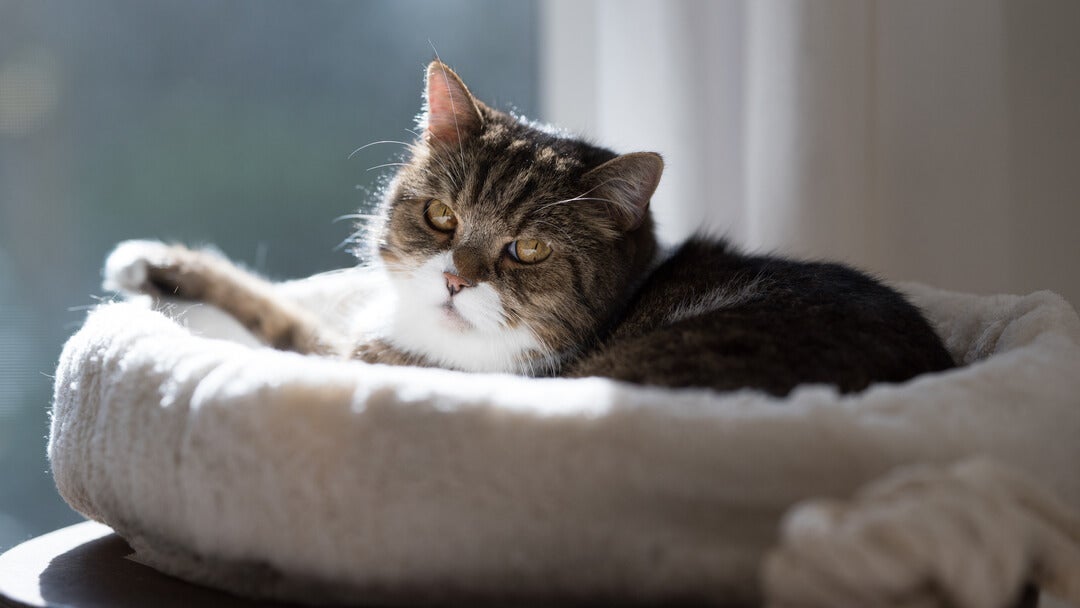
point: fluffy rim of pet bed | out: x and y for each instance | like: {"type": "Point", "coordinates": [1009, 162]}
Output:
{"type": "Point", "coordinates": [277, 475]}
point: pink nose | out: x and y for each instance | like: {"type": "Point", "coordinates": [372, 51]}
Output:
{"type": "Point", "coordinates": [454, 283]}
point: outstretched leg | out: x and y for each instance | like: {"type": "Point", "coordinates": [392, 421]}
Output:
{"type": "Point", "coordinates": [157, 269]}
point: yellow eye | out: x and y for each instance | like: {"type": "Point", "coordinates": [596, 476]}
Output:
{"type": "Point", "coordinates": [440, 216]}
{"type": "Point", "coordinates": [529, 251]}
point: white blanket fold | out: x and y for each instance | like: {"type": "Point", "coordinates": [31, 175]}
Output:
{"type": "Point", "coordinates": [278, 475]}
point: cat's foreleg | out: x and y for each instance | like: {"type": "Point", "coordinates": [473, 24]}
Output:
{"type": "Point", "coordinates": [158, 269]}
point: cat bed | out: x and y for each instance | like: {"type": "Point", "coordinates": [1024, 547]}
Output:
{"type": "Point", "coordinates": [276, 475]}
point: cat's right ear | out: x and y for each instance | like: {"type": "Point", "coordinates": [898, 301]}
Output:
{"type": "Point", "coordinates": [626, 183]}
{"type": "Point", "coordinates": [450, 111]}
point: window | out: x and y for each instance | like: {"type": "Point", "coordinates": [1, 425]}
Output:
{"type": "Point", "coordinates": [202, 122]}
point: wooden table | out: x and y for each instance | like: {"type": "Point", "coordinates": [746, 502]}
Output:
{"type": "Point", "coordinates": [87, 566]}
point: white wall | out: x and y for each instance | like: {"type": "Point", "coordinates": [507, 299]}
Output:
{"type": "Point", "coordinates": [925, 140]}
{"type": "Point", "coordinates": [627, 73]}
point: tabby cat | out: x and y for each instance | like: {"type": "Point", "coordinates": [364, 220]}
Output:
{"type": "Point", "coordinates": [511, 247]}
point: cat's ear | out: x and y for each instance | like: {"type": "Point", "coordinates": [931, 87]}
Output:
{"type": "Point", "coordinates": [626, 183]}
{"type": "Point", "coordinates": [450, 112]}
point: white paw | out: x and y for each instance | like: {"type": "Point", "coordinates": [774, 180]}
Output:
{"type": "Point", "coordinates": [127, 267]}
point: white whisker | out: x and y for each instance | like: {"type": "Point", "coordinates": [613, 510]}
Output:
{"type": "Point", "coordinates": [581, 197]}
{"type": "Point", "coordinates": [453, 108]}
{"type": "Point", "coordinates": [375, 143]}
{"type": "Point", "coordinates": [364, 217]}
{"type": "Point", "coordinates": [384, 165]}
{"type": "Point", "coordinates": [569, 240]}
{"type": "Point", "coordinates": [352, 238]}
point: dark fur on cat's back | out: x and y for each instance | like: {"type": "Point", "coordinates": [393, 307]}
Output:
{"type": "Point", "coordinates": [780, 323]}
{"type": "Point", "coordinates": [787, 323]}
{"type": "Point", "coordinates": [511, 247]}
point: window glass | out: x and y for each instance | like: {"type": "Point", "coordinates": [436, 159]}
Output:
{"type": "Point", "coordinates": [201, 121]}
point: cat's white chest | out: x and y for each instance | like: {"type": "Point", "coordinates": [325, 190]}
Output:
{"type": "Point", "coordinates": [467, 331]}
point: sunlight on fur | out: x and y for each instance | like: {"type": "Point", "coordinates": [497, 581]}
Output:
{"type": "Point", "coordinates": [469, 331]}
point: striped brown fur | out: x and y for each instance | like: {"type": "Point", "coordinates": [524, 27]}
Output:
{"type": "Point", "coordinates": [604, 301]}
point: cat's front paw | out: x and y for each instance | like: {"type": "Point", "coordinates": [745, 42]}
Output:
{"type": "Point", "coordinates": [151, 267]}
{"type": "Point", "coordinates": [127, 268]}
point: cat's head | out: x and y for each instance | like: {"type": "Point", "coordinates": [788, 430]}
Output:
{"type": "Point", "coordinates": [509, 245]}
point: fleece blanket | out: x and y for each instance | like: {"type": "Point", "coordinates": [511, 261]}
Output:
{"type": "Point", "coordinates": [277, 475]}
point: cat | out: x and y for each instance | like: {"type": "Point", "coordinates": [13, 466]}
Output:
{"type": "Point", "coordinates": [512, 247]}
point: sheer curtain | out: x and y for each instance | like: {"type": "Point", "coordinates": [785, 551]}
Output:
{"type": "Point", "coordinates": [922, 140]}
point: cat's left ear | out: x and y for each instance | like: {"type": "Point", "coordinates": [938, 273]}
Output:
{"type": "Point", "coordinates": [627, 183]}
{"type": "Point", "coordinates": [450, 111]}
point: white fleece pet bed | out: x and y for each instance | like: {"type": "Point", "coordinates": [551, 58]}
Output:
{"type": "Point", "coordinates": [277, 475]}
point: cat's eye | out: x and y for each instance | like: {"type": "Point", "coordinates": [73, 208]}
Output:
{"type": "Point", "coordinates": [529, 251]}
{"type": "Point", "coordinates": [440, 216]}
